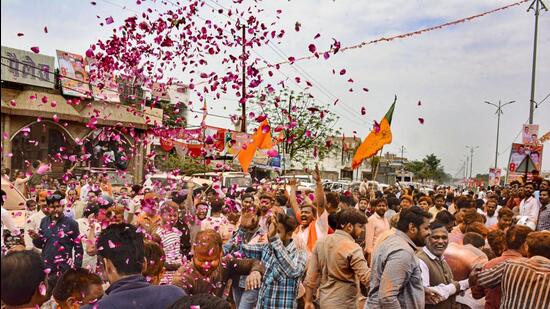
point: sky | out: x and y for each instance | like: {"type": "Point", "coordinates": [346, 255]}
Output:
{"type": "Point", "coordinates": [451, 71]}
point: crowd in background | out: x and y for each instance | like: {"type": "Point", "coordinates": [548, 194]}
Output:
{"type": "Point", "coordinates": [275, 245]}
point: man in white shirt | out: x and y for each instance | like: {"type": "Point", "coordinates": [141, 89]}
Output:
{"type": "Point", "coordinates": [437, 277]}
{"type": "Point", "coordinates": [33, 223]}
{"type": "Point", "coordinates": [86, 188]}
{"type": "Point", "coordinates": [529, 206]}
{"type": "Point", "coordinates": [491, 212]}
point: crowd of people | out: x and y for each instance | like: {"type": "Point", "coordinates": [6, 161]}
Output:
{"type": "Point", "coordinates": [274, 245]}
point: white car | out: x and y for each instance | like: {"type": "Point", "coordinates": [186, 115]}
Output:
{"type": "Point", "coordinates": [228, 179]}
{"type": "Point", "coordinates": [164, 180]}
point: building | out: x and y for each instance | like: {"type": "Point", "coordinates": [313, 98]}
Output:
{"type": "Point", "coordinates": [56, 120]}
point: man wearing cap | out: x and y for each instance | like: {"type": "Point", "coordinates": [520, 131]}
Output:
{"type": "Point", "coordinates": [58, 237]}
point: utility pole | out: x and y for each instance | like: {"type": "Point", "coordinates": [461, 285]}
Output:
{"type": "Point", "coordinates": [472, 149]}
{"type": "Point", "coordinates": [536, 5]}
{"type": "Point", "coordinates": [498, 112]}
{"type": "Point", "coordinates": [286, 149]}
{"type": "Point", "coordinates": [243, 99]}
{"type": "Point", "coordinates": [466, 167]}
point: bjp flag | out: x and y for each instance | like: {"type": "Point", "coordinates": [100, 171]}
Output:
{"type": "Point", "coordinates": [377, 138]}
{"type": "Point", "coordinates": [260, 140]}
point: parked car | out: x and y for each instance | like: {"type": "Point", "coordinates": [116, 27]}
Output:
{"type": "Point", "coordinates": [228, 179]}
{"type": "Point", "coordinates": [305, 181]}
{"type": "Point", "coordinates": [164, 180]}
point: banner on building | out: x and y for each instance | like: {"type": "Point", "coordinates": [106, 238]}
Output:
{"type": "Point", "coordinates": [530, 134]}
{"type": "Point", "coordinates": [234, 142]}
{"type": "Point", "coordinates": [73, 76]}
{"type": "Point", "coordinates": [494, 176]}
{"type": "Point", "coordinates": [525, 160]}
{"type": "Point", "coordinates": [28, 68]}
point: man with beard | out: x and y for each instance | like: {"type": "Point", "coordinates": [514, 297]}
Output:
{"type": "Point", "coordinates": [336, 262]}
{"type": "Point", "coordinates": [313, 221]}
{"type": "Point", "coordinates": [58, 237]}
{"type": "Point", "coordinates": [505, 218]}
{"type": "Point", "coordinates": [208, 272]}
{"type": "Point", "coordinates": [437, 277]}
{"type": "Point", "coordinates": [491, 209]}
{"type": "Point", "coordinates": [529, 205]}
{"type": "Point", "coordinates": [363, 204]}
{"type": "Point", "coordinates": [377, 225]}
{"type": "Point", "coordinates": [249, 232]}
{"type": "Point", "coordinates": [396, 279]}
{"type": "Point", "coordinates": [543, 223]}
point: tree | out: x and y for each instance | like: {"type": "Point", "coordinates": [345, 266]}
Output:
{"type": "Point", "coordinates": [429, 168]}
{"type": "Point", "coordinates": [186, 165]}
{"type": "Point", "coordinates": [305, 125]}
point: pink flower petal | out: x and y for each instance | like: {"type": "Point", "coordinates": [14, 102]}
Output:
{"type": "Point", "coordinates": [20, 34]}
{"type": "Point", "coordinates": [261, 118]}
{"type": "Point", "coordinates": [35, 49]}
{"type": "Point", "coordinates": [45, 29]}
{"type": "Point", "coordinates": [342, 71]}
{"type": "Point", "coordinates": [421, 120]}
{"type": "Point", "coordinates": [419, 103]}
{"type": "Point", "coordinates": [109, 20]}
{"type": "Point", "coordinates": [312, 48]}
{"type": "Point", "coordinates": [363, 110]}
{"type": "Point", "coordinates": [111, 244]}
{"type": "Point", "coordinates": [89, 53]}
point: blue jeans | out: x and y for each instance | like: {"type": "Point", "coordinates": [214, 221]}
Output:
{"type": "Point", "coordinates": [245, 299]}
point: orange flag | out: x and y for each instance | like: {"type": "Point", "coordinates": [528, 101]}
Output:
{"type": "Point", "coordinates": [376, 139]}
{"type": "Point", "coordinates": [260, 140]}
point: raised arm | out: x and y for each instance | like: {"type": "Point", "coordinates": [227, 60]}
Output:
{"type": "Point", "coordinates": [292, 197]}
{"type": "Point", "coordinates": [319, 192]}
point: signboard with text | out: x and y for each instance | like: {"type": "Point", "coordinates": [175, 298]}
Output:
{"type": "Point", "coordinates": [28, 68]}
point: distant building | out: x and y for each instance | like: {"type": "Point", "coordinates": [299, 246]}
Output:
{"type": "Point", "coordinates": [41, 122]}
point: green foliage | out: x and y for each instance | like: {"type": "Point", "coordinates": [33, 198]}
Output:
{"type": "Point", "coordinates": [428, 168]}
{"type": "Point", "coordinates": [301, 115]}
{"type": "Point", "coordinates": [174, 115]}
{"type": "Point", "coordinates": [186, 165]}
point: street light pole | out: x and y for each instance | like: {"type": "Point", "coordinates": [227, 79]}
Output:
{"type": "Point", "coordinates": [538, 5]}
{"type": "Point", "coordinates": [472, 149]}
{"type": "Point", "coordinates": [243, 99]}
{"type": "Point", "coordinates": [498, 112]}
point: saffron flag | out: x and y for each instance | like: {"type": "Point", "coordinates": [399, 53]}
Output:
{"type": "Point", "coordinates": [260, 140]}
{"type": "Point", "coordinates": [377, 138]}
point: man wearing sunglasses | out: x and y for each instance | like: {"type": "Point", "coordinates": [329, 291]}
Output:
{"type": "Point", "coordinates": [58, 237]}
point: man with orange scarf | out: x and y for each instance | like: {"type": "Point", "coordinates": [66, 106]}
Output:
{"type": "Point", "coordinates": [313, 221]}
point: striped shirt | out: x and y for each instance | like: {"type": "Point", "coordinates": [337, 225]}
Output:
{"type": "Point", "coordinates": [525, 283]}
{"type": "Point", "coordinates": [171, 245]}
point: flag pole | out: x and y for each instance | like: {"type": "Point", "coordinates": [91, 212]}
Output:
{"type": "Point", "coordinates": [372, 194]}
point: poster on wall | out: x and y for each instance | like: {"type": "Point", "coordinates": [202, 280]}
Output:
{"type": "Point", "coordinates": [73, 76]}
{"type": "Point", "coordinates": [525, 160]}
{"type": "Point", "coordinates": [530, 134]}
{"type": "Point", "coordinates": [494, 176]}
{"type": "Point", "coordinates": [20, 66]}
